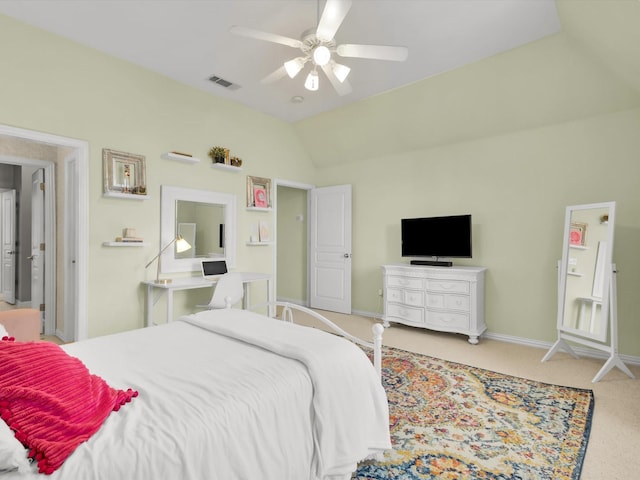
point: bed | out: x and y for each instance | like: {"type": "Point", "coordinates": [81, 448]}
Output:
{"type": "Point", "coordinates": [226, 394]}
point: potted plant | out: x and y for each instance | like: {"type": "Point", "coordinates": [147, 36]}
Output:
{"type": "Point", "coordinates": [236, 161]}
{"type": "Point", "coordinates": [217, 154]}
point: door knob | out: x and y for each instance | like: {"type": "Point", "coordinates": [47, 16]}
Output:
{"type": "Point", "coordinates": [347, 255]}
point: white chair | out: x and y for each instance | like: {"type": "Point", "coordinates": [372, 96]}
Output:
{"type": "Point", "coordinates": [228, 291]}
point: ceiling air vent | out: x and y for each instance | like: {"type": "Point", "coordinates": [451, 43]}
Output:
{"type": "Point", "coordinates": [224, 83]}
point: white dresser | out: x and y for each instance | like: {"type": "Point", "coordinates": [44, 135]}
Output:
{"type": "Point", "coordinates": [449, 299]}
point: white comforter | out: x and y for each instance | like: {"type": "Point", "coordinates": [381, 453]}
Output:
{"type": "Point", "coordinates": [214, 407]}
{"type": "Point", "coordinates": [349, 403]}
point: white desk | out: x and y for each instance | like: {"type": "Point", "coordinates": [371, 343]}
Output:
{"type": "Point", "coordinates": [189, 283]}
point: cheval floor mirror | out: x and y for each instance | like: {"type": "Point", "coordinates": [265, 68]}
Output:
{"type": "Point", "coordinates": [587, 308]}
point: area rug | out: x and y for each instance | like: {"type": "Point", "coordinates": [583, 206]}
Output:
{"type": "Point", "coordinates": [453, 421]}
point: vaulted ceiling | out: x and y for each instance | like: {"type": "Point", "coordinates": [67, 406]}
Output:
{"type": "Point", "coordinates": [190, 41]}
{"type": "Point", "coordinates": [476, 68]}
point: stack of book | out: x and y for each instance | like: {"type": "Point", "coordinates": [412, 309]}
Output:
{"type": "Point", "coordinates": [130, 239]}
{"type": "Point", "coordinates": [129, 235]}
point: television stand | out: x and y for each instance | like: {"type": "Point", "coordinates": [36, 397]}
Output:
{"type": "Point", "coordinates": [432, 263]}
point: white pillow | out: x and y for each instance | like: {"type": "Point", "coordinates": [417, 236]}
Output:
{"type": "Point", "coordinates": [3, 331]}
{"type": "Point", "coordinates": [13, 455]}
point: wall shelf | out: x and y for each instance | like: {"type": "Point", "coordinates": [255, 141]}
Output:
{"type": "Point", "coordinates": [258, 244]}
{"type": "Point", "coordinates": [259, 209]}
{"type": "Point", "coordinates": [128, 196]}
{"type": "Point", "coordinates": [179, 157]}
{"type": "Point", "coordinates": [224, 166]}
{"type": "Point", "coordinates": [125, 244]}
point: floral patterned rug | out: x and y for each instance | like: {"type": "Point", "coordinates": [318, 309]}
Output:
{"type": "Point", "coordinates": [452, 421]}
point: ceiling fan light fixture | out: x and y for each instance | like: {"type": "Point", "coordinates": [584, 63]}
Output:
{"type": "Point", "coordinates": [340, 71]}
{"type": "Point", "coordinates": [294, 66]}
{"type": "Point", "coordinates": [312, 81]}
{"type": "Point", "coordinates": [321, 55]}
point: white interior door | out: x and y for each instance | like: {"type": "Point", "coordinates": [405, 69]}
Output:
{"type": "Point", "coordinates": [70, 248]}
{"type": "Point", "coordinates": [8, 200]}
{"type": "Point", "coordinates": [330, 249]}
{"type": "Point", "coordinates": [37, 240]}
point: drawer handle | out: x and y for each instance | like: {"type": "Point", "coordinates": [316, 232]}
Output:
{"type": "Point", "coordinates": [445, 286]}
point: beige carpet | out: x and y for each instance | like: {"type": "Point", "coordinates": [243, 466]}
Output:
{"type": "Point", "coordinates": [614, 444]}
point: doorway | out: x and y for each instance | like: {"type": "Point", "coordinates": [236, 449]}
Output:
{"type": "Point", "coordinates": [291, 260]}
{"type": "Point", "coordinates": [68, 264]}
{"type": "Point", "coordinates": [313, 241]}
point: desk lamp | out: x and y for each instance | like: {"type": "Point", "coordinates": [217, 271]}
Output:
{"type": "Point", "coordinates": [181, 246]}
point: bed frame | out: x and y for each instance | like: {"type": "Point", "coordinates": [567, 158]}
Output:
{"type": "Point", "coordinates": [287, 316]}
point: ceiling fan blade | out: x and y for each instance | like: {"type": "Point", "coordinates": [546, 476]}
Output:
{"type": "Point", "coordinates": [269, 37]}
{"type": "Point", "coordinates": [274, 76]}
{"type": "Point", "coordinates": [374, 52]}
{"type": "Point", "coordinates": [332, 17]}
{"type": "Point", "coordinates": [342, 88]}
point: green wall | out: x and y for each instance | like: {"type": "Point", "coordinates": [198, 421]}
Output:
{"type": "Point", "coordinates": [516, 186]}
{"type": "Point", "coordinates": [53, 85]}
{"type": "Point", "coordinates": [512, 140]}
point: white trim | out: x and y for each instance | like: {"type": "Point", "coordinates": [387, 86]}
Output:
{"type": "Point", "coordinates": [528, 342]}
{"type": "Point", "coordinates": [82, 149]}
{"type": "Point", "coordinates": [581, 351]}
{"type": "Point", "coordinates": [295, 301]}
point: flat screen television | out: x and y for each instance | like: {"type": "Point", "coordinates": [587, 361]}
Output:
{"type": "Point", "coordinates": [436, 237]}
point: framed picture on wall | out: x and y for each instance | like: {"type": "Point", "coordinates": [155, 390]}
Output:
{"type": "Point", "coordinates": [123, 173]}
{"type": "Point", "coordinates": [578, 234]}
{"type": "Point", "coordinates": [258, 192]}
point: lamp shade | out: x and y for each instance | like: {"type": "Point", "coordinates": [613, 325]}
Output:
{"type": "Point", "coordinates": [312, 81]}
{"type": "Point", "coordinates": [340, 71]}
{"type": "Point", "coordinates": [182, 245]}
{"type": "Point", "coordinates": [294, 66]}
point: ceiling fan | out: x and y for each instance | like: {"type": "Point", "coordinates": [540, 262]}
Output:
{"type": "Point", "coordinates": [318, 46]}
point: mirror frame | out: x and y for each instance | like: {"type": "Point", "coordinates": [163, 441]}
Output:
{"type": "Point", "coordinates": [601, 334]}
{"type": "Point", "coordinates": [169, 195]}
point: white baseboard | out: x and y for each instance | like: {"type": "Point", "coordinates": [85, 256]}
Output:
{"type": "Point", "coordinates": [294, 301]}
{"type": "Point", "coordinates": [581, 351]}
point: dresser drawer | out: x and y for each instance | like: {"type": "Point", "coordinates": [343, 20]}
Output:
{"type": "Point", "coordinates": [448, 286]}
{"type": "Point", "coordinates": [415, 315]}
{"type": "Point", "coordinates": [414, 298]}
{"type": "Point", "coordinates": [448, 320]}
{"type": "Point", "coordinates": [448, 302]}
{"type": "Point", "coordinates": [405, 282]}
{"type": "Point", "coordinates": [394, 295]}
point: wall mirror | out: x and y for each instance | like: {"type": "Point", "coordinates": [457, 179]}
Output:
{"type": "Point", "coordinates": [207, 220]}
{"type": "Point", "coordinates": [585, 270]}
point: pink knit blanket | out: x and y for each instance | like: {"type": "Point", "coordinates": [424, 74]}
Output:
{"type": "Point", "coordinates": [51, 401]}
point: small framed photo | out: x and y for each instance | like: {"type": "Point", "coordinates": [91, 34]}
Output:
{"type": "Point", "coordinates": [124, 172]}
{"type": "Point", "coordinates": [258, 192]}
{"type": "Point", "coordinates": [263, 231]}
{"type": "Point", "coordinates": [578, 234]}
